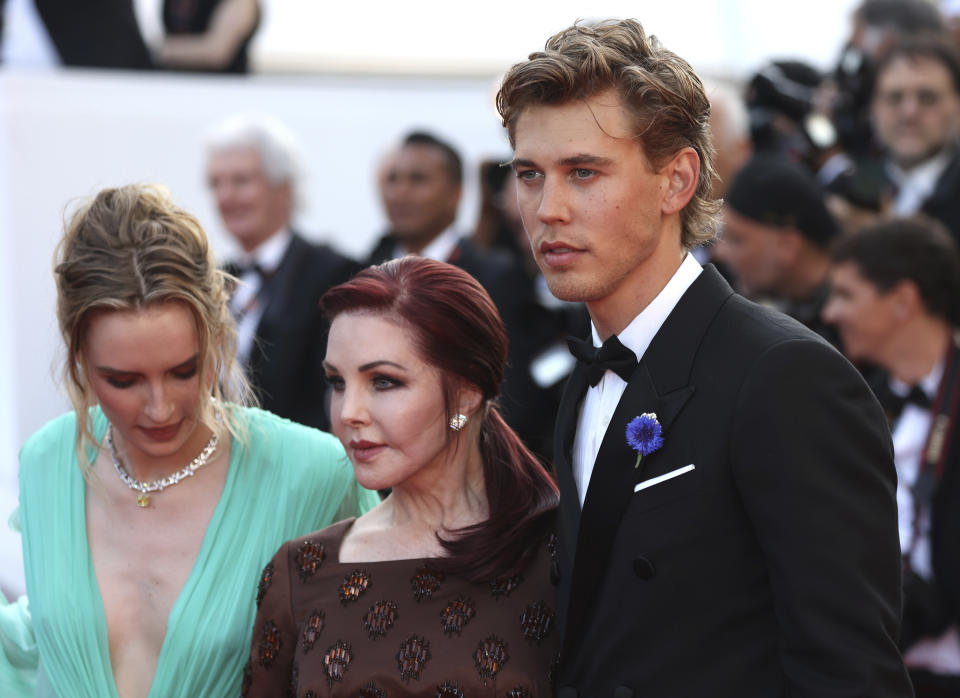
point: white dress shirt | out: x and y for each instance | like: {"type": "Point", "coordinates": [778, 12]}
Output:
{"type": "Point", "coordinates": [909, 439]}
{"type": "Point", "coordinates": [940, 655]}
{"type": "Point", "coordinates": [246, 305]}
{"type": "Point", "coordinates": [440, 248]}
{"type": "Point", "coordinates": [915, 185]}
{"type": "Point", "coordinates": [600, 401]}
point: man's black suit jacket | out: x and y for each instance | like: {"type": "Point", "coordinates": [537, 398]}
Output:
{"type": "Point", "coordinates": [945, 529]}
{"type": "Point", "coordinates": [285, 365]}
{"type": "Point", "coordinates": [944, 204]}
{"type": "Point", "coordinates": [772, 568]}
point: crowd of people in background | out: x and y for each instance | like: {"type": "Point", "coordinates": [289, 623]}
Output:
{"type": "Point", "coordinates": [841, 209]}
{"type": "Point", "coordinates": [810, 165]}
{"type": "Point", "coordinates": [847, 217]}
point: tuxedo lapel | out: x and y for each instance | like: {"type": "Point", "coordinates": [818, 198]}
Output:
{"type": "Point", "coordinates": [659, 384]}
{"type": "Point", "coordinates": [672, 352]}
{"type": "Point", "coordinates": [273, 294]}
{"type": "Point", "coordinates": [609, 493]}
{"type": "Point", "coordinates": [563, 444]}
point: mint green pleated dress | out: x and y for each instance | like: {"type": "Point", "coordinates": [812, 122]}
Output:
{"type": "Point", "coordinates": [291, 481]}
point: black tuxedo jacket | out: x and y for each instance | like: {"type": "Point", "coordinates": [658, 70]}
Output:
{"type": "Point", "coordinates": [945, 528]}
{"type": "Point", "coordinates": [770, 569]}
{"type": "Point", "coordinates": [944, 204]}
{"type": "Point", "coordinates": [285, 365]}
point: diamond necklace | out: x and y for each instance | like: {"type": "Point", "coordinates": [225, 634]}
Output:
{"type": "Point", "coordinates": [143, 488]}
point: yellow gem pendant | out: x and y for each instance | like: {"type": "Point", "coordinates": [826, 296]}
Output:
{"type": "Point", "coordinates": [143, 500]}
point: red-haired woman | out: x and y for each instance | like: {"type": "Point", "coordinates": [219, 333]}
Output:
{"type": "Point", "coordinates": [444, 588]}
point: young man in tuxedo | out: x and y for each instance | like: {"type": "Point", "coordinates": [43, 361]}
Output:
{"type": "Point", "coordinates": [752, 549]}
{"type": "Point", "coordinates": [894, 300]}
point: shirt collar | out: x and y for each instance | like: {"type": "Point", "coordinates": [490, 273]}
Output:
{"type": "Point", "coordinates": [643, 328]}
{"type": "Point", "coordinates": [440, 248]}
{"type": "Point", "coordinates": [269, 253]}
{"type": "Point", "coordinates": [929, 384]}
{"type": "Point", "coordinates": [922, 177]}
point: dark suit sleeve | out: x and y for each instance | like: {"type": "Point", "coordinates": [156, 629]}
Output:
{"type": "Point", "coordinates": [317, 404]}
{"type": "Point", "coordinates": [814, 465]}
{"type": "Point", "coordinates": [288, 367]}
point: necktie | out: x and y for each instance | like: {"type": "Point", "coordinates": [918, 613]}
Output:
{"type": "Point", "coordinates": [612, 356]}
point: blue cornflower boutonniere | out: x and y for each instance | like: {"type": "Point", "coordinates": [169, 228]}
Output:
{"type": "Point", "coordinates": [644, 435]}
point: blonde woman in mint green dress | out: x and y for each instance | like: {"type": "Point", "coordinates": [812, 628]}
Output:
{"type": "Point", "coordinates": [146, 523]}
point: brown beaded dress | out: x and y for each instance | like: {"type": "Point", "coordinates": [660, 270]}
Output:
{"type": "Point", "coordinates": [398, 628]}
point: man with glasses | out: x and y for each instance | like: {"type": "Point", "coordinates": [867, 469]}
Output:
{"type": "Point", "coordinates": [916, 114]}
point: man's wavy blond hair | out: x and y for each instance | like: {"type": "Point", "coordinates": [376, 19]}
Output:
{"type": "Point", "coordinates": [666, 98]}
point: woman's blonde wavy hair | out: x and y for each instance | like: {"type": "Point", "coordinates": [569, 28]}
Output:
{"type": "Point", "coordinates": [129, 248]}
{"type": "Point", "coordinates": [670, 108]}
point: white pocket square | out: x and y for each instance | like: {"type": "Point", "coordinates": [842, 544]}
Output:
{"type": "Point", "coordinates": [662, 478]}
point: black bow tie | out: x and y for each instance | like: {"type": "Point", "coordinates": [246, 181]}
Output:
{"type": "Point", "coordinates": [917, 397]}
{"type": "Point", "coordinates": [612, 356]}
{"type": "Point", "coordinates": [894, 402]}
{"type": "Point", "coordinates": [239, 270]}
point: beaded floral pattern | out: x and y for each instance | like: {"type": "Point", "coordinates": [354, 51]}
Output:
{"type": "Point", "coordinates": [346, 618]}
{"type": "Point", "coordinates": [310, 556]}
{"type": "Point", "coordinates": [425, 583]}
{"type": "Point", "coordinates": [456, 615]}
{"type": "Point", "coordinates": [502, 588]}
{"type": "Point", "coordinates": [353, 585]}
{"type": "Point", "coordinates": [379, 618]}
{"type": "Point", "coordinates": [265, 578]}
{"type": "Point", "coordinates": [448, 689]}
{"type": "Point", "coordinates": [312, 628]}
{"type": "Point", "coordinates": [270, 644]}
{"type": "Point", "coordinates": [536, 621]}
{"type": "Point", "coordinates": [337, 660]}
{"type": "Point", "coordinates": [412, 656]}
{"type": "Point", "coordinates": [489, 657]}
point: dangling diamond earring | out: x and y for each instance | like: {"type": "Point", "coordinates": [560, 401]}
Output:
{"type": "Point", "coordinates": [457, 421]}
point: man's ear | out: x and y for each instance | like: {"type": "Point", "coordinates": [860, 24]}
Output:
{"type": "Point", "coordinates": [682, 173]}
{"type": "Point", "coordinates": [906, 299]}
